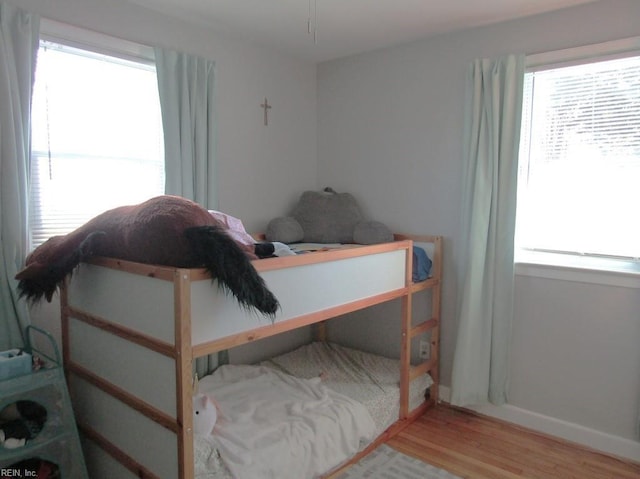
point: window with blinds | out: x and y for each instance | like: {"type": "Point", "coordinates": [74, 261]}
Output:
{"type": "Point", "coordinates": [97, 138]}
{"type": "Point", "coordinates": [579, 168]}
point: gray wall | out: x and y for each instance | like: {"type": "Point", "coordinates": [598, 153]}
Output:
{"type": "Point", "coordinates": [390, 131]}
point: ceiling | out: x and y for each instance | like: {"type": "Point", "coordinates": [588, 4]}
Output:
{"type": "Point", "coordinates": [346, 27]}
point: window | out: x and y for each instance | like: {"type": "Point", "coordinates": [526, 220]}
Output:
{"type": "Point", "coordinates": [97, 138]}
{"type": "Point", "coordinates": [579, 167]}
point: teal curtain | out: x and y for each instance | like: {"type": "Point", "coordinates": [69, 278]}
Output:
{"type": "Point", "coordinates": [485, 304]}
{"type": "Point", "coordinates": [19, 39]}
{"type": "Point", "coordinates": [186, 85]}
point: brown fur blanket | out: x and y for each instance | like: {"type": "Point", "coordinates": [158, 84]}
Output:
{"type": "Point", "coordinates": [166, 230]}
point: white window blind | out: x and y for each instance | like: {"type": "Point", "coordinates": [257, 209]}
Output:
{"type": "Point", "coordinates": [578, 190]}
{"type": "Point", "coordinates": [96, 138]}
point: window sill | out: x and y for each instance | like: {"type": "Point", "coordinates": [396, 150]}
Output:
{"type": "Point", "coordinates": [581, 269]}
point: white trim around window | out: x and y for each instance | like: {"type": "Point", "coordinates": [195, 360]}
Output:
{"type": "Point", "coordinates": [591, 270]}
{"type": "Point", "coordinates": [73, 36]}
{"type": "Point", "coordinates": [573, 56]}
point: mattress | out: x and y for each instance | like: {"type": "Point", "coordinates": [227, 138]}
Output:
{"type": "Point", "coordinates": [368, 378]}
{"type": "Point", "coordinates": [355, 388]}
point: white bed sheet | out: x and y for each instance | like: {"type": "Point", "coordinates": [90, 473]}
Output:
{"type": "Point", "coordinates": [320, 368]}
{"type": "Point", "coordinates": [274, 425]}
{"type": "Point", "coordinates": [368, 378]}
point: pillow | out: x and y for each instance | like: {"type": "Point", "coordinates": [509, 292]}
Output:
{"type": "Point", "coordinates": [327, 216]}
{"type": "Point", "coordinates": [285, 229]}
{"type": "Point", "coordinates": [372, 232]}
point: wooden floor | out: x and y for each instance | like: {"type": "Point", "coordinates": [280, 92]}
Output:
{"type": "Point", "coordinates": [478, 447]}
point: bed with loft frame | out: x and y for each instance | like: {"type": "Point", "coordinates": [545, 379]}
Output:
{"type": "Point", "coordinates": [131, 333]}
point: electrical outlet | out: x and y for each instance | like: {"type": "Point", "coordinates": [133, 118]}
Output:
{"type": "Point", "coordinates": [424, 349]}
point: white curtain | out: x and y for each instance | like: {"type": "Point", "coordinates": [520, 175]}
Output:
{"type": "Point", "coordinates": [485, 304]}
{"type": "Point", "coordinates": [186, 86]}
{"type": "Point", "coordinates": [19, 38]}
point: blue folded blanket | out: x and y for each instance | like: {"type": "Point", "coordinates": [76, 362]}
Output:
{"type": "Point", "coordinates": [421, 264]}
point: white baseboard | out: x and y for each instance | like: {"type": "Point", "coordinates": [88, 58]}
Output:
{"type": "Point", "coordinates": [591, 438]}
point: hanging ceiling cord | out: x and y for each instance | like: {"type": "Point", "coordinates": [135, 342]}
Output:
{"type": "Point", "coordinates": [314, 22]}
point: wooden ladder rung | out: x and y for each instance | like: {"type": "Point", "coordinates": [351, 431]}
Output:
{"type": "Point", "coordinates": [423, 327]}
{"type": "Point", "coordinates": [422, 368]}
{"type": "Point", "coordinates": [424, 285]}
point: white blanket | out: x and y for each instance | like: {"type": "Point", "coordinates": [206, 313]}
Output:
{"type": "Point", "coordinates": [273, 425]}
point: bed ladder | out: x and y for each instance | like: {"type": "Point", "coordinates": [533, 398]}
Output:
{"type": "Point", "coordinates": [412, 331]}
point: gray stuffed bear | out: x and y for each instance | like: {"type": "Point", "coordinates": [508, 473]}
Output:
{"type": "Point", "coordinates": [327, 217]}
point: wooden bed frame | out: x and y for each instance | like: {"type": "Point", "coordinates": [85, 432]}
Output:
{"type": "Point", "coordinates": [131, 333]}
